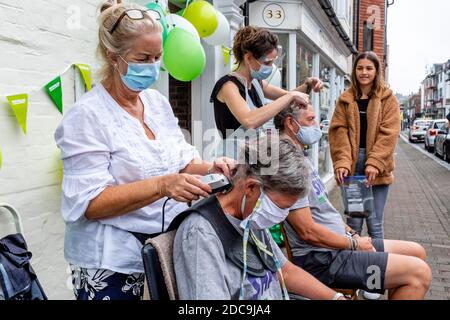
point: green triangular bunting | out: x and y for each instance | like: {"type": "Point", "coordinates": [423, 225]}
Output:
{"type": "Point", "coordinates": [86, 74]}
{"type": "Point", "coordinates": [54, 90]}
{"type": "Point", "coordinates": [19, 104]}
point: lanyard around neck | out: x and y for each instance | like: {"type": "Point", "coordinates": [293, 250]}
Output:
{"type": "Point", "coordinates": [263, 248]}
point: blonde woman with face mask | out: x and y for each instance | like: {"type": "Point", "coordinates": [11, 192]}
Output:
{"type": "Point", "coordinates": [119, 171]}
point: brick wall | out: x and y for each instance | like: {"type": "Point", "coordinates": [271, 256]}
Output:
{"type": "Point", "coordinates": [39, 39]}
{"type": "Point", "coordinates": [366, 12]}
{"type": "Point", "coordinates": [180, 99]}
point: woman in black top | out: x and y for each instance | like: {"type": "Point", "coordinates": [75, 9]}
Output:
{"type": "Point", "coordinates": [240, 97]}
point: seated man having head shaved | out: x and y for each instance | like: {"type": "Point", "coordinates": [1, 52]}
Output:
{"type": "Point", "coordinates": [222, 249]}
{"type": "Point", "coordinates": [323, 245]}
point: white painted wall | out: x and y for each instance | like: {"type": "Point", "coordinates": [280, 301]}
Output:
{"type": "Point", "coordinates": [38, 40]}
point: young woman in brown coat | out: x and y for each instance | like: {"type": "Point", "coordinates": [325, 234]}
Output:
{"type": "Point", "coordinates": [363, 135]}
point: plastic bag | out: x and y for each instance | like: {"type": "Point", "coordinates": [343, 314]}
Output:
{"type": "Point", "coordinates": [357, 197]}
{"type": "Point", "coordinates": [277, 235]}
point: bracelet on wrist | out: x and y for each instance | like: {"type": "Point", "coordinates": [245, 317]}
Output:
{"type": "Point", "coordinates": [354, 244]}
{"type": "Point", "coordinates": [351, 233]}
{"type": "Point", "coordinates": [350, 243]}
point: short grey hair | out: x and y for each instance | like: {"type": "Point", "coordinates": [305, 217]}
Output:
{"type": "Point", "coordinates": [122, 40]}
{"type": "Point", "coordinates": [290, 111]}
{"type": "Point", "coordinates": [292, 171]}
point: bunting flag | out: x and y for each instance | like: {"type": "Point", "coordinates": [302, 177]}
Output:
{"type": "Point", "coordinates": [19, 104]}
{"type": "Point", "coordinates": [1, 160]}
{"type": "Point", "coordinates": [54, 90]}
{"type": "Point", "coordinates": [85, 71]}
{"type": "Point", "coordinates": [226, 54]}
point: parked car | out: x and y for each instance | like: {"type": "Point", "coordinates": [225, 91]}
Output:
{"type": "Point", "coordinates": [442, 143]}
{"type": "Point", "coordinates": [431, 133]}
{"type": "Point", "coordinates": [418, 130]}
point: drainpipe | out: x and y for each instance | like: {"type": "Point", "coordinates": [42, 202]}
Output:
{"type": "Point", "coordinates": [246, 10]}
{"type": "Point", "coordinates": [357, 7]}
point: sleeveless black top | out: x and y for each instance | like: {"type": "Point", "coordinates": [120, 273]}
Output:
{"type": "Point", "coordinates": [222, 114]}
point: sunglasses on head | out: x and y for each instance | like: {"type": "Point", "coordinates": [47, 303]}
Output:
{"type": "Point", "coordinates": [135, 14]}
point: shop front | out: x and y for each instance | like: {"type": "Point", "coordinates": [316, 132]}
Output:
{"type": "Point", "coordinates": [311, 47]}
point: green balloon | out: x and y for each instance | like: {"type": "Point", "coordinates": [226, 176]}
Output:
{"type": "Point", "coordinates": [203, 16]}
{"type": "Point", "coordinates": [184, 56]}
{"type": "Point", "coordinates": [156, 7]}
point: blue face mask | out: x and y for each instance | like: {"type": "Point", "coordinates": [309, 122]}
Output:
{"type": "Point", "coordinates": [309, 135]}
{"type": "Point", "coordinates": [140, 76]}
{"type": "Point", "coordinates": [263, 73]}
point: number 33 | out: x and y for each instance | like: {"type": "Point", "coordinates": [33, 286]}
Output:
{"type": "Point", "coordinates": [274, 14]}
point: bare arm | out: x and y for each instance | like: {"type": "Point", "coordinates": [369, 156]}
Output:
{"type": "Point", "coordinates": [122, 199]}
{"type": "Point", "coordinates": [322, 237]}
{"type": "Point", "coordinates": [184, 187]}
{"type": "Point", "coordinates": [200, 167]}
{"type": "Point", "coordinates": [273, 92]}
{"type": "Point", "coordinates": [302, 283]}
{"type": "Point", "coordinates": [314, 233]}
{"type": "Point", "coordinates": [252, 119]}
{"type": "Point", "coordinates": [197, 166]}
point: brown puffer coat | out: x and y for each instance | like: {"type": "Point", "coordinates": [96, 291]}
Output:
{"type": "Point", "coordinates": [383, 129]}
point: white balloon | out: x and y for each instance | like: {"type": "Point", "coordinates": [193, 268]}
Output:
{"type": "Point", "coordinates": [180, 22]}
{"type": "Point", "coordinates": [222, 33]}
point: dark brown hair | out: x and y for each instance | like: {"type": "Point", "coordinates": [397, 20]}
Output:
{"type": "Point", "coordinates": [257, 41]}
{"type": "Point", "coordinates": [378, 82]}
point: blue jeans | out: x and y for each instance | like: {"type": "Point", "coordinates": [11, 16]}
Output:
{"type": "Point", "coordinates": [375, 223]}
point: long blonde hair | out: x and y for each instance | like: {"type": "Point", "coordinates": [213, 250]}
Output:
{"type": "Point", "coordinates": [378, 83]}
{"type": "Point", "coordinates": [122, 40]}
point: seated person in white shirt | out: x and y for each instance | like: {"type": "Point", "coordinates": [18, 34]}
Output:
{"type": "Point", "coordinates": [209, 244]}
{"type": "Point", "coordinates": [124, 155]}
{"type": "Point", "coordinates": [323, 245]}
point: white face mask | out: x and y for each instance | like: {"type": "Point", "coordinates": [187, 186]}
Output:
{"type": "Point", "coordinates": [265, 215]}
{"type": "Point", "coordinates": [309, 135]}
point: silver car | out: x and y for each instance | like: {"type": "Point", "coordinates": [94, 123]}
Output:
{"type": "Point", "coordinates": [442, 143]}
{"type": "Point", "coordinates": [418, 130]}
{"type": "Point", "coordinates": [432, 132]}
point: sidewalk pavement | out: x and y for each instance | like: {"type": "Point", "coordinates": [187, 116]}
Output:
{"type": "Point", "coordinates": [418, 209]}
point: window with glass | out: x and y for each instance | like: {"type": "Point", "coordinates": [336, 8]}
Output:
{"type": "Point", "coordinates": [368, 36]}
{"type": "Point", "coordinates": [324, 95]}
{"type": "Point", "coordinates": [281, 78]}
{"type": "Point", "coordinates": [324, 116]}
{"type": "Point", "coordinates": [304, 62]}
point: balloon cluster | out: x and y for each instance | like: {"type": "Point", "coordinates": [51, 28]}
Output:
{"type": "Point", "coordinates": [184, 57]}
